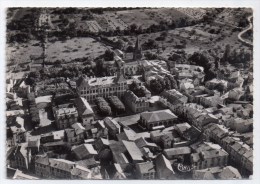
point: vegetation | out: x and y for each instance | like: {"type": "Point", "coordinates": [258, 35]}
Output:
{"type": "Point", "coordinates": [116, 104]}
{"type": "Point", "coordinates": [103, 106]}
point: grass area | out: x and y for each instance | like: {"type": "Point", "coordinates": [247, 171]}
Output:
{"type": "Point", "coordinates": [74, 48]}
{"type": "Point", "coordinates": [20, 53]}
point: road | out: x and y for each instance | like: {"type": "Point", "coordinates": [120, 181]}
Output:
{"type": "Point", "coordinates": [245, 30]}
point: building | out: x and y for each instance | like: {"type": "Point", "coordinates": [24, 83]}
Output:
{"type": "Point", "coordinates": [241, 125]}
{"type": "Point", "coordinates": [133, 153]}
{"type": "Point", "coordinates": [145, 170]}
{"type": "Point", "coordinates": [211, 101]}
{"type": "Point", "coordinates": [19, 157]}
{"type": "Point", "coordinates": [61, 169]}
{"type": "Point", "coordinates": [175, 153]}
{"type": "Point", "coordinates": [208, 155]}
{"type": "Point", "coordinates": [112, 126]}
{"type": "Point", "coordinates": [163, 168]}
{"type": "Point", "coordinates": [16, 174]}
{"type": "Point", "coordinates": [75, 135]}
{"type": "Point", "coordinates": [224, 173]}
{"type": "Point", "coordinates": [136, 104]}
{"type": "Point", "coordinates": [137, 55]}
{"type": "Point", "coordinates": [85, 111]}
{"type": "Point", "coordinates": [42, 168]}
{"type": "Point", "coordinates": [65, 115]}
{"type": "Point", "coordinates": [150, 120]}
{"type": "Point", "coordinates": [185, 71]}
{"type": "Point", "coordinates": [91, 88]}
{"type": "Point", "coordinates": [84, 151]}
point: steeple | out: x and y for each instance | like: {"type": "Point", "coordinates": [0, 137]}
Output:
{"type": "Point", "coordinates": [137, 55]}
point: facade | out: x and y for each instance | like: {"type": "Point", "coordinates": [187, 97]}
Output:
{"type": "Point", "coordinates": [145, 170]}
{"type": "Point", "coordinates": [149, 120]}
{"type": "Point", "coordinates": [136, 104]}
{"type": "Point", "coordinates": [60, 169]}
{"type": "Point", "coordinates": [91, 88]}
{"type": "Point", "coordinates": [85, 111]}
{"type": "Point", "coordinates": [112, 126]}
{"type": "Point", "coordinates": [75, 135]}
{"type": "Point", "coordinates": [65, 116]}
{"type": "Point", "coordinates": [20, 157]}
{"type": "Point", "coordinates": [208, 155]}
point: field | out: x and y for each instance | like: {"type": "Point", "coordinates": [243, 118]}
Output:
{"type": "Point", "coordinates": [20, 53]}
{"type": "Point", "coordinates": [74, 48]}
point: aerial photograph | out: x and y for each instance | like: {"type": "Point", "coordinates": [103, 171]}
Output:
{"type": "Point", "coordinates": [129, 93]}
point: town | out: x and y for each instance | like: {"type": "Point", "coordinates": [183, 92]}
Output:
{"type": "Point", "coordinates": [129, 93]}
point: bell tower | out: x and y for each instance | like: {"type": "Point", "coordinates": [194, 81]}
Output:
{"type": "Point", "coordinates": [137, 55]}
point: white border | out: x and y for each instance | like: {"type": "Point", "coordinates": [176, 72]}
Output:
{"type": "Point", "coordinates": [255, 4]}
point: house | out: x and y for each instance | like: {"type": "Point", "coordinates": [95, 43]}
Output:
{"type": "Point", "coordinates": [141, 143]}
{"type": "Point", "coordinates": [133, 152]}
{"type": "Point", "coordinates": [85, 111]}
{"type": "Point", "coordinates": [115, 172]}
{"type": "Point", "coordinates": [170, 140]}
{"type": "Point", "coordinates": [186, 85]}
{"type": "Point", "coordinates": [112, 126]}
{"type": "Point", "coordinates": [163, 168]}
{"type": "Point", "coordinates": [241, 125]}
{"type": "Point", "coordinates": [61, 168]}
{"type": "Point", "coordinates": [225, 173]}
{"type": "Point", "coordinates": [65, 116]}
{"type": "Point", "coordinates": [157, 134]}
{"type": "Point", "coordinates": [174, 96]}
{"type": "Point", "coordinates": [235, 94]}
{"type": "Point", "coordinates": [76, 135]}
{"type": "Point", "coordinates": [190, 133]}
{"type": "Point", "coordinates": [151, 120]}
{"type": "Point", "coordinates": [18, 134]}
{"type": "Point", "coordinates": [84, 151]}
{"type": "Point", "coordinates": [215, 82]}
{"type": "Point", "coordinates": [211, 101]}
{"type": "Point", "coordinates": [42, 168]}
{"type": "Point", "coordinates": [136, 104]}
{"type": "Point", "coordinates": [215, 132]}
{"type": "Point", "coordinates": [20, 157]}
{"type": "Point", "coordinates": [145, 170]}
{"type": "Point", "coordinates": [204, 119]}
{"type": "Point", "coordinates": [174, 153]}
{"type": "Point", "coordinates": [229, 172]}
{"type": "Point", "coordinates": [119, 152]}
{"type": "Point", "coordinates": [101, 144]}
{"type": "Point", "coordinates": [16, 174]}
{"type": "Point", "coordinates": [52, 137]}
{"type": "Point", "coordinates": [34, 146]}
{"type": "Point", "coordinates": [208, 155]}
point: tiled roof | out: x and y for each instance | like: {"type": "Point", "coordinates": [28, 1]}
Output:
{"type": "Point", "coordinates": [145, 167]}
{"type": "Point", "coordinates": [160, 115]}
{"type": "Point", "coordinates": [177, 151]}
{"type": "Point", "coordinates": [133, 150]}
{"type": "Point", "coordinates": [84, 150]}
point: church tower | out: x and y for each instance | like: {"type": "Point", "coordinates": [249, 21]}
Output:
{"type": "Point", "coordinates": [137, 55]}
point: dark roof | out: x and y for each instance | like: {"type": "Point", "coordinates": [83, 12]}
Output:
{"type": "Point", "coordinates": [44, 160]}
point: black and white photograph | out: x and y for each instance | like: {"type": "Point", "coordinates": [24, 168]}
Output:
{"type": "Point", "coordinates": [129, 93]}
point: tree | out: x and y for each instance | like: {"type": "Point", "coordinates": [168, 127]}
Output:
{"type": "Point", "coordinates": [108, 55]}
{"type": "Point", "coordinates": [116, 104]}
{"type": "Point", "coordinates": [103, 106]}
{"type": "Point", "coordinates": [156, 86]}
{"type": "Point", "coordinates": [221, 87]}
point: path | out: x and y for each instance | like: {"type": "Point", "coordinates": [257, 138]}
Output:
{"type": "Point", "coordinates": [245, 30]}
